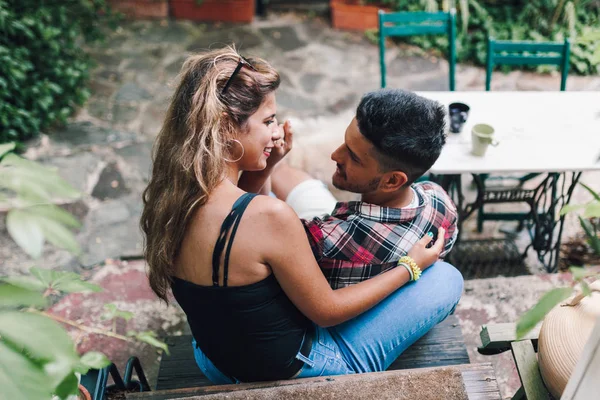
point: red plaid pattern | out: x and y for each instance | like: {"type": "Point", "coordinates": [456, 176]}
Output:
{"type": "Point", "coordinates": [360, 240]}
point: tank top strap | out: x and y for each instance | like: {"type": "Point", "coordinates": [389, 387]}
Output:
{"type": "Point", "coordinates": [232, 220]}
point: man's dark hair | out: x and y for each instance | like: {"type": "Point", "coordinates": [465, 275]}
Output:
{"type": "Point", "coordinates": [408, 131]}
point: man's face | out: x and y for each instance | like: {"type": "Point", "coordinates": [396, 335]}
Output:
{"type": "Point", "coordinates": [357, 170]}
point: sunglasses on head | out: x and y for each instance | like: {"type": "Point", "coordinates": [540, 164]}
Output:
{"type": "Point", "coordinates": [243, 62]}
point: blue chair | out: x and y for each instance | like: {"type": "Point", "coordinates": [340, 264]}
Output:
{"type": "Point", "coordinates": [505, 52]}
{"type": "Point", "coordinates": [418, 23]}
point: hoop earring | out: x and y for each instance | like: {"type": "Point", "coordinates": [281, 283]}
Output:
{"type": "Point", "coordinates": [240, 157]}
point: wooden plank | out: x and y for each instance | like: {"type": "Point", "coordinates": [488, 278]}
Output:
{"type": "Point", "coordinates": [410, 30]}
{"type": "Point", "coordinates": [528, 60]}
{"type": "Point", "coordinates": [584, 382]}
{"type": "Point", "coordinates": [498, 337]}
{"type": "Point", "coordinates": [529, 370]}
{"type": "Point", "coordinates": [414, 17]}
{"type": "Point", "coordinates": [443, 345]}
{"type": "Point", "coordinates": [530, 46]}
{"type": "Point", "coordinates": [479, 380]}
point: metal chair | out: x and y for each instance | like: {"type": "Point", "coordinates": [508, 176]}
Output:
{"type": "Point", "coordinates": [503, 52]}
{"type": "Point", "coordinates": [506, 52]}
{"type": "Point", "coordinates": [418, 23]}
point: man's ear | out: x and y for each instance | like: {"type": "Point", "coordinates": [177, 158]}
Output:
{"type": "Point", "coordinates": [393, 180]}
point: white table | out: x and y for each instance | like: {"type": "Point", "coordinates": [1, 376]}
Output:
{"type": "Point", "coordinates": [554, 133]}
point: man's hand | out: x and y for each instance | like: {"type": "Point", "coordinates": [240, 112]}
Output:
{"type": "Point", "coordinates": [282, 145]}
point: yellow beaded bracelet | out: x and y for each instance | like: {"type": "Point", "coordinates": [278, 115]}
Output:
{"type": "Point", "coordinates": [408, 261]}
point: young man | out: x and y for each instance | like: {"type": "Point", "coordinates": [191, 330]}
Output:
{"type": "Point", "coordinates": [394, 139]}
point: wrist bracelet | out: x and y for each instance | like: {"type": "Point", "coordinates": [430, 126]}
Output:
{"type": "Point", "coordinates": [410, 272]}
{"type": "Point", "coordinates": [416, 271]}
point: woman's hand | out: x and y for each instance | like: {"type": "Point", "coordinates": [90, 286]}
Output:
{"type": "Point", "coordinates": [425, 257]}
{"type": "Point", "coordinates": [282, 145]}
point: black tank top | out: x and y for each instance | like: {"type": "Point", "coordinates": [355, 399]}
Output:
{"type": "Point", "coordinates": [250, 332]}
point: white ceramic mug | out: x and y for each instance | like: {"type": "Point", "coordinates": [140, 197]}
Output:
{"type": "Point", "coordinates": [482, 135]}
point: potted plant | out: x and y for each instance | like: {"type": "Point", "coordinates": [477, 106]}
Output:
{"type": "Point", "coordinates": [568, 319]}
{"type": "Point", "coordinates": [214, 10]}
{"type": "Point", "coordinates": [355, 15]}
{"type": "Point", "coordinates": [141, 8]}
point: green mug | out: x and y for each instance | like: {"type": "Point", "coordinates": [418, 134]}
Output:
{"type": "Point", "coordinates": [482, 135]}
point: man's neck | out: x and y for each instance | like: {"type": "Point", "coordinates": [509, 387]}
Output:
{"type": "Point", "coordinates": [398, 199]}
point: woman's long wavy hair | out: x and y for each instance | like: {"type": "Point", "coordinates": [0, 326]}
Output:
{"type": "Point", "coordinates": [190, 150]}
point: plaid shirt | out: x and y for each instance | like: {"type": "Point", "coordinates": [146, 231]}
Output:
{"type": "Point", "coordinates": [360, 240]}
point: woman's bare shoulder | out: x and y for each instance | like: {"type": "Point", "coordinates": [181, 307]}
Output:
{"type": "Point", "coordinates": [273, 210]}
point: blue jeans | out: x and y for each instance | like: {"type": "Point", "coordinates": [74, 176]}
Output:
{"type": "Point", "coordinates": [374, 339]}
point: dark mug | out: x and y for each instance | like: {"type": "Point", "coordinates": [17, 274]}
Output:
{"type": "Point", "coordinates": [459, 112]}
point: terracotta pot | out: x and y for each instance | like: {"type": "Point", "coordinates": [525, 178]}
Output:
{"type": "Point", "coordinates": [563, 335]}
{"type": "Point", "coordinates": [83, 393]}
{"type": "Point", "coordinates": [141, 8]}
{"type": "Point", "coordinates": [214, 10]}
{"type": "Point", "coordinates": [352, 15]}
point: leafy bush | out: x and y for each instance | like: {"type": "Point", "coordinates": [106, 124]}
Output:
{"type": "Point", "coordinates": [540, 20]}
{"type": "Point", "coordinates": [43, 70]}
{"type": "Point", "coordinates": [37, 356]}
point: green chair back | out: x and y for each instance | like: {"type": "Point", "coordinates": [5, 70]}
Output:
{"type": "Point", "coordinates": [506, 52]}
{"type": "Point", "coordinates": [418, 23]}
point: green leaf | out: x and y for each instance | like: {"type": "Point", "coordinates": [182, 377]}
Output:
{"type": "Point", "coordinates": [95, 360]}
{"type": "Point", "coordinates": [21, 378]}
{"type": "Point", "coordinates": [14, 296]}
{"type": "Point", "coordinates": [548, 301]}
{"type": "Point", "coordinates": [26, 282]}
{"type": "Point", "coordinates": [592, 210]}
{"type": "Point", "coordinates": [64, 281]}
{"type": "Point", "coordinates": [585, 288]}
{"type": "Point", "coordinates": [580, 273]}
{"type": "Point", "coordinates": [41, 337]}
{"type": "Point", "coordinates": [6, 147]}
{"type": "Point", "coordinates": [59, 235]}
{"type": "Point", "coordinates": [55, 213]}
{"type": "Point", "coordinates": [593, 240]}
{"type": "Point", "coordinates": [570, 208]}
{"type": "Point", "coordinates": [68, 386]}
{"type": "Point", "coordinates": [150, 338]}
{"type": "Point", "coordinates": [592, 191]}
{"type": "Point", "coordinates": [26, 232]}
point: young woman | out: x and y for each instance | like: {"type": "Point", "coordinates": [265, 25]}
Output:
{"type": "Point", "coordinates": [240, 265]}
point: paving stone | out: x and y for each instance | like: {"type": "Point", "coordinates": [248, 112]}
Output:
{"type": "Point", "coordinates": [102, 87]}
{"type": "Point", "coordinates": [122, 239]}
{"type": "Point", "coordinates": [153, 118]}
{"type": "Point", "coordinates": [139, 157]}
{"type": "Point", "coordinates": [86, 133]}
{"type": "Point", "coordinates": [110, 184]}
{"type": "Point", "coordinates": [310, 82]}
{"type": "Point", "coordinates": [343, 103]}
{"type": "Point", "coordinates": [243, 37]}
{"type": "Point", "coordinates": [107, 74]}
{"type": "Point", "coordinates": [284, 37]}
{"type": "Point", "coordinates": [123, 113]}
{"type": "Point", "coordinates": [439, 82]}
{"type": "Point", "coordinates": [131, 92]}
{"type": "Point", "coordinates": [175, 66]}
{"type": "Point", "coordinates": [294, 101]}
{"type": "Point", "coordinates": [403, 65]}
{"type": "Point", "coordinates": [99, 107]}
{"type": "Point", "coordinates": [76, 168]}
{"type": "Point", "coordinates": [108, 213]}
{"type": "Point", "coordinates": [107, 59]}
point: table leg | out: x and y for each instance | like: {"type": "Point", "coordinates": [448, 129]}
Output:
{"type": "Point", "coordinates": [547, 225]}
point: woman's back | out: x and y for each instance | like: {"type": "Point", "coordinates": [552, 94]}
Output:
{"type": "Point", "coordinates": [237, 322]}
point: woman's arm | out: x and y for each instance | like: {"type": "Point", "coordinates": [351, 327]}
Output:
{"type": "Point", "coordinates": [288, 253]}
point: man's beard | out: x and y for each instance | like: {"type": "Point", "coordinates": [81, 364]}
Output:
{"type": "Point", "coordinates": [368, 187]}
